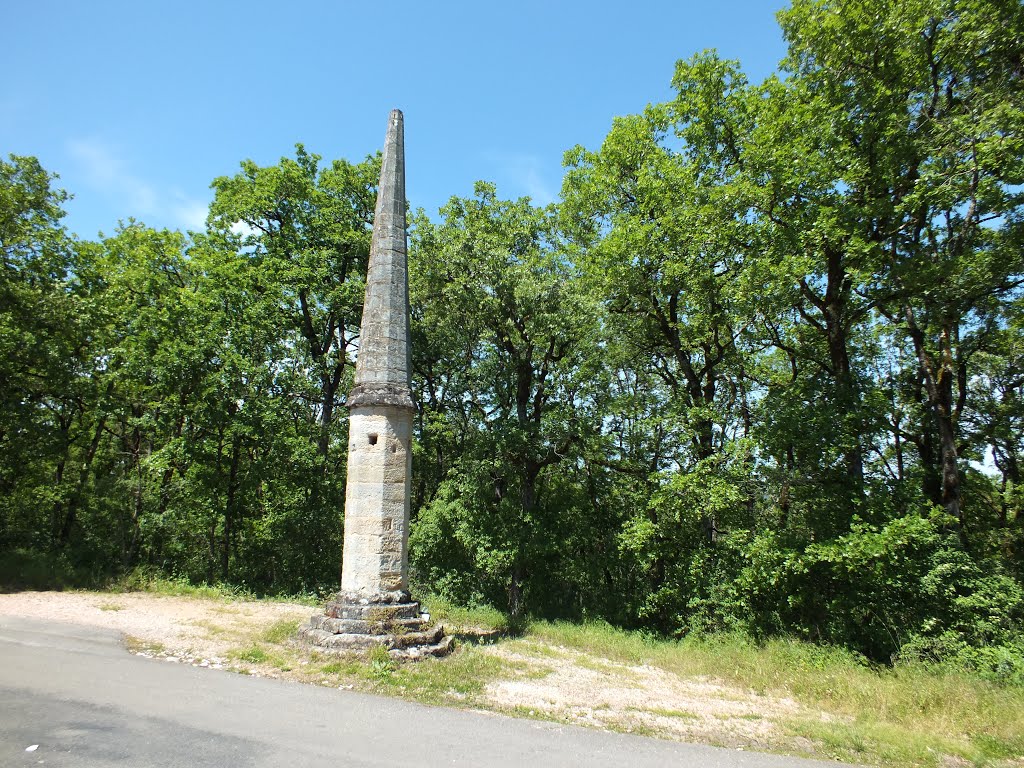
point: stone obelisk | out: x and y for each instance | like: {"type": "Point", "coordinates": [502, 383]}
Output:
{"type": "Point", "coordinates": [374, 606]}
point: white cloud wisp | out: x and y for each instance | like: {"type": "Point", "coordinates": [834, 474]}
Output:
{"type": "Point", "coordinates": [105, 171]}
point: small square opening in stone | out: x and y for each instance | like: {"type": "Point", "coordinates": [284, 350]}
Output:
{"type": "Point", "coordinates": [372, 438]}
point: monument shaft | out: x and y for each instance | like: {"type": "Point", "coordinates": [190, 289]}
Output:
{"type": "Point", "coordinates": [375, 559]}
{"type": "Point", "coordinates": [374, 608]}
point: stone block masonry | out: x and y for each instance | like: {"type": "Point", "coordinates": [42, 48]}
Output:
{"type": "Point", "coordinates": [374, 607]}
{"type": "Point", "coordinates": [376, 549]}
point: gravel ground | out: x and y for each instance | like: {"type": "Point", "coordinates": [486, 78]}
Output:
{"type": "Point", "coordinates": [180, 625]}
{"type": "Point", "coordinates": [581, 689]}
{"type": "Point", "coordinates": [554, 682]}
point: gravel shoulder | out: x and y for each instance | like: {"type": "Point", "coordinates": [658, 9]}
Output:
{"type": "Point", "coordinates": [185, 626]}
{"type": "Point", "coordinates": [524, 677]}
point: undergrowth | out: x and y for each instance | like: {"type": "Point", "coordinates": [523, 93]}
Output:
{"type": "Point", "coordinates": [155, 582]}
{"type": "Point", "coordinates": [22, 570]}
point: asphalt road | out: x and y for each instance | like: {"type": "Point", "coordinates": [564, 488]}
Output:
{"type": "Point", "coordinates": [85, 702]}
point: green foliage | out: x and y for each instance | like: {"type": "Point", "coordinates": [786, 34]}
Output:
{"type": "Point", "coordinates": [758, 373]}
{"type": "Point", "coordinates": [516, 404]}
{"type": "Point", "coordinates": [254, 654]}
{"type": "Point", "coordinates": [382, 666]}
{"type": "Point", "coordinates": [803, 279]}
{"type": "Point", "coordinates": [185, 419]}
{"type": "Point", "coordinates": [22, 569]}
{"type": "Point", "coordinates": [977, 629]}
{"type": "Point", "coordinates": [457, 617]}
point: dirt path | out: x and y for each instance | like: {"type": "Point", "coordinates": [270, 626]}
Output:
{"type": "Point", "coordinates": [532, 678]}
{"type": "Point", "coordinates": [187, 629]}
{"type": "Point", "coordinates": [187, 625]}
{"type": "Point", "coordinates": [582, 689]}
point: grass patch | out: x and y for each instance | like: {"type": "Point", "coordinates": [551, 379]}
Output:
{"type": "Point", "coordinates": [530, 647]}
{"type": "Point", "coordinates": [681, 714]}
{"type": "Point", "coordinates": [456, 679]}
{"type": "Point", "coordinates": [596, 664]}
{"type": "Point", "coordinates": [907, 715]}
{"type": "Point", "coordinates": [211, 629]}
{"type": "Point", "coordinates": [148, 580]}
{"type": "Point", "coordinates": [888, 745]}
{"type": "Point", "coordinates": [459, 619]}
{"type": "Point", "coordinates": [280, 631]}
{"type": "Point", "coordinates": [600, 639]}
{"type": "Point", "coordinates": [138, 645]}
{"type": "Point", "coordinates": [254, 654]}
{"type": "Point", "coordinates": [110, 607]}
{"type": "Point", "coordinates": [347, 667]}
{"type": "Point", "coordinates": [225, 609]}
{"type": "Point", "coordinates": [259, 655]}
{"type": "Point", "coordinates": [382, 666]}
{"type": "Point", "coordinates": [152, 581]}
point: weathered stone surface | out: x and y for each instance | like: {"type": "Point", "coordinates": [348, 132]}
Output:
{"type": "Point", "coordinates": [374, 607]}
{"type": "Point", "coordinates": [382, 369]}
{"type": "Point", "coordinates": [370, 626]}
{"type": "Point", "coordinates": [356, 634]}
{"type": "Point", "coordinates": [346, 610]}
{"type": "Point", "coordinates": [410, 647]}
{"type": "Point", "coordinates": [442, 647]}
{"type": "Point", "coordinates": [377, 501]}
{"type": "Point", "coordinates": [380, 394]}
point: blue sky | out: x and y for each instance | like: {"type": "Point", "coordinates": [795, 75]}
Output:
{"type": "Point", "coordinates": [140, 105]}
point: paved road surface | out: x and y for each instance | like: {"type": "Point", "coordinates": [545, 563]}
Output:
{"type": "Point", "coordinates": [87, 703]}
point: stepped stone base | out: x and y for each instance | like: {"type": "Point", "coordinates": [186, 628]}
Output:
{"type": "Point", "coordinates": [352, 624]}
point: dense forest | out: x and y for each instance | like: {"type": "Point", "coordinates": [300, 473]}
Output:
{"type": "Point", "coordinates": [760, 369]}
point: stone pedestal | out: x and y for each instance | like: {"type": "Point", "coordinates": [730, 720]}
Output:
{"type": "Point", "coordinates": [351, 623]}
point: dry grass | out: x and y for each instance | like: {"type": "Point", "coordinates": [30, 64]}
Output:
{"type": "Point", "coordinates": [779, 696]}
{"type": "Point", "coordinates": [848, 709]}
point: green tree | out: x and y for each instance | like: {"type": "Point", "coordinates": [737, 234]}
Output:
{"type": "Point", "coordinates": [923, 103]}
{"type": "Point", "coordinates": [44, 341]}
{"type": "Point", "coordinates": [309, 229]}
{"type": "Point", "coordinates": [659, 218]}
{"type": "Point", "coordinates": [304, 231]}
{"type": "Point", "coordinates": [497, 300]}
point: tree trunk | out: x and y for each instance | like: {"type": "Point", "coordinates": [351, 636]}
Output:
{"type": "Point", "coordinates": [950, 459]}
{"type": "Point", "coordinates": [515, 588]}
{"type": "Point", "coordinates": [74, 500]}
{"type": "Point", "coordinates": [130, 543]}
{"type": "Point", "coordinates": [835, 312]}
{"type": "Point", "coordinates": [848, 399]}
{"type": "Point", "coordinates": [517, 580]}
{"type": "Point", "coordinates": [1006, 461]}
{"type": "Point", "coordinates": [329, 383]}
{"type": "Point", "coordinates": [229, 508]}
{"type": "Point", "coordinates": [938, 381]}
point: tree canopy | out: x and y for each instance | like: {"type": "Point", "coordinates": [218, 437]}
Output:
{"type": "Point", "coordinates": [759, 369]}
